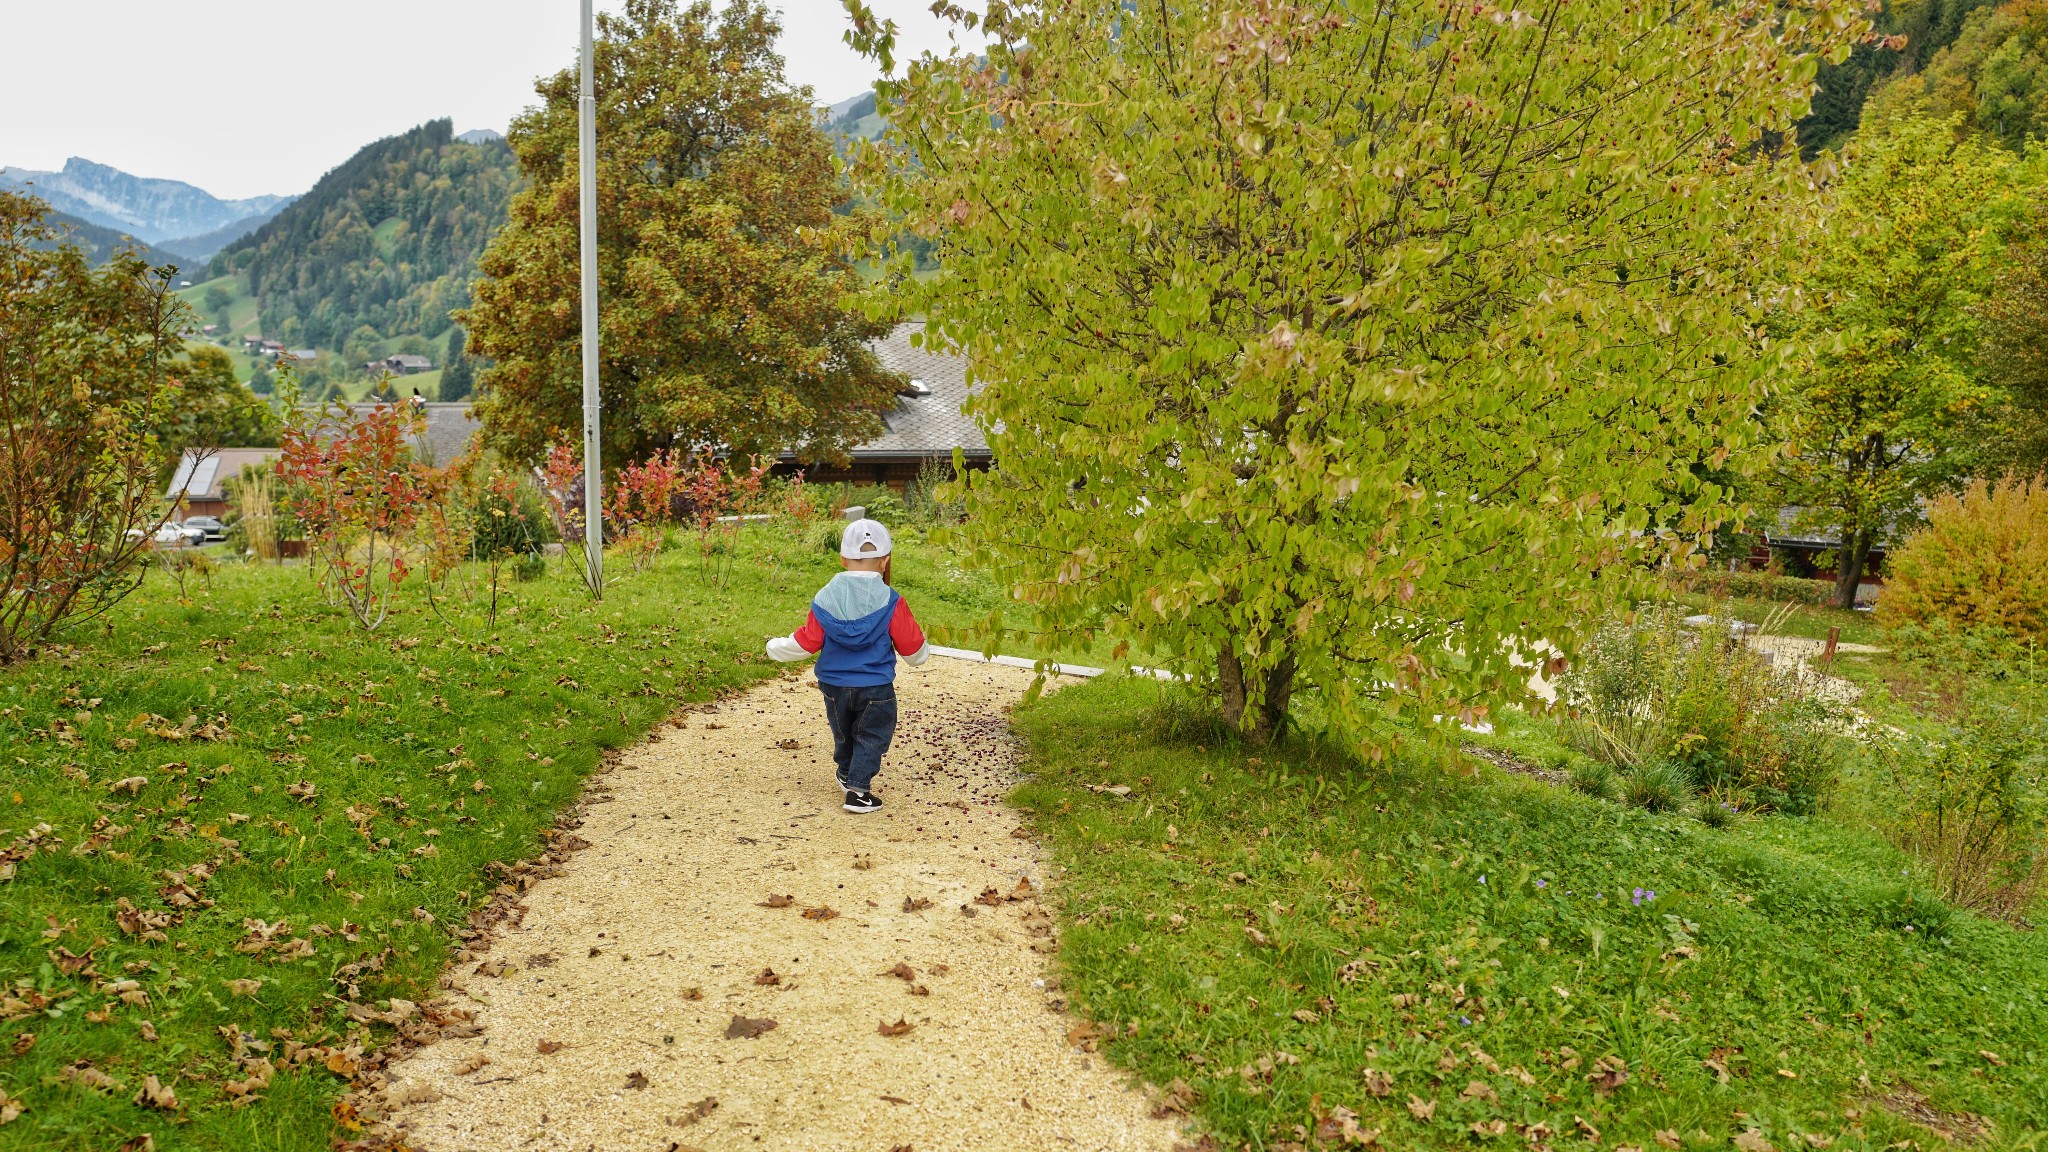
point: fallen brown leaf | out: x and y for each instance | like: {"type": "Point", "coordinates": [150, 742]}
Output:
{"type": "Point", "coordinates": [550, 1047]}
{"type": "Point", "coordinates": [636, 1080]}
{"type": "Point", "coordinates": [767, 978]}
{"type": "Point", "coordinates": [11, 1108]}
{"type": "Point", "coordinates": [693, 993]}
{"type": "Point", "coordinates": [776, 902]}
{"type": "Point", "coordinates": [142, 1143]}
{"type": "Point", "coordinates": [243, 987]}
{"type": "Point", "coordinates": [1667, 1138]}
{"type": "Point", "coordinates": [862, 861]}
{"type": "Point", "coordinates": [85, 1075]}
{"type": "Point", "coordinates": [743, 1028]}
{"type": "Point", "coordinates": [1421, 1109]}
{"type": "Point", "coordinates": [698, 1111]}
{"type": "Point", "coordinates": [990, 897]}
{"type": "Point", "coordinates": [919, 990]}
{"type": "Point", "coordinates": [1488, 1129]}
{"type": "Point", "coordinates": [153, 1094]}
{"type": "Point", "coordinates": [902, 972]}
{"type": "Point", "coordinates": [918, 904]}
{"type": "Point", "coordinates": [895, 1099]}
{"type": "Point", "coordinates": [820, 913]}
{"type": "Point", "coordinates": [472, 1063]}
{"type": "Point", "coordinates": [901, 1027]}
{"type": "Point", "coordinates": [1753, 1140]}
{"type": "Point", "coordinates": [1377, 1082]}
{"type": "Point", "coordinates": [23, 1042]}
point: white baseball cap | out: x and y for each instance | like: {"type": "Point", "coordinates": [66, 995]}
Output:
{"type": "Point", "coordinates": [864, 540]}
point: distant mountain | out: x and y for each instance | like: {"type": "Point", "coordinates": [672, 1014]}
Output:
{"type": "Point", "coordinates": [203, 247]}
{"type": "Point", "coordinates": [854, 118]}
{"type": "Point", "coordinates": [383, 246]}
{"type": "Point", "coordinates": [480, 136]}
{"type": "Point", "coordinates": [153, 210]}
{"type": "Point", "coordinates": [100, 244]}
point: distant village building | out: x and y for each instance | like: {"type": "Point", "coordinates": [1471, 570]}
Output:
{"type": "Point", "coordinates": [925, 427]}
{"type": "Point", "coordinates": [202, 477]}
{"type": "Point", "coordinates": [400, 365]}
{"type": "Point", "coordinates": [306, 355]}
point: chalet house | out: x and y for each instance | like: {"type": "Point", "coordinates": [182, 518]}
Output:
{"type": "Point", "coordinates": [202, 477]}
{"type": "Point", "coordinates": [450, 428]}
{"type": "Point", "coordinates": [304, 355]}
{"type": "Point", "coordinates": [927, 424]}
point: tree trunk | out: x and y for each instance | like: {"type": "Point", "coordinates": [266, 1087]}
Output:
{"type": "Point", "coordinates": [1270, 716]}
{"type": "Point", "coordinates": [1849, 561]}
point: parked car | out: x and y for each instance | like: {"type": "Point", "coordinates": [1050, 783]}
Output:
{"type": "Point", "coordinates": [181, 535]}
{"type": "Point", "coordinates": [210, 528]}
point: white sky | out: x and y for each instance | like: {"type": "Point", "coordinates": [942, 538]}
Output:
{"type": "Point", "coordinates": [246, 97]}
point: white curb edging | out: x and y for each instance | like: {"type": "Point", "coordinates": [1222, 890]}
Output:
{"type": "Point", "coordinates": [1081, 670]}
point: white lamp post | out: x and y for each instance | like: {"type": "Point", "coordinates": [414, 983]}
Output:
{"type": "Point", "coordinates": [593, 468]}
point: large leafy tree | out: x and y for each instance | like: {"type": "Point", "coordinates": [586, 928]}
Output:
{"type": "Point", "coordinates": [1890, 406]}
{"type": "Point", "coordinates": [2013, 321]}
{"type": "Point", "coordinates": [1357, 348]}
{"type": "Point", "coordinates": [213, 409]}
{"type": "Point", "coordinates": [720, 257]}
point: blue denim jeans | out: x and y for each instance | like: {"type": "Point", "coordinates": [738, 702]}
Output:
{"type": "Point", "coordinates": [863, 722]}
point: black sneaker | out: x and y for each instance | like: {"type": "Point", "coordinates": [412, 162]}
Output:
{"type": "Point", "coordinates": [839, 775]}
{"type": "Point", "coordinates": [862, 801]}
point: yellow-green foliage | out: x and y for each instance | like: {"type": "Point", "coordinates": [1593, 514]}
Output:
{"type": "Point", "coordinates": [1981, 562]}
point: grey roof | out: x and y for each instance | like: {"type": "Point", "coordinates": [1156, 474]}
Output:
{"type": "Point", "coordinates": [449, 431]}
{"type": "Point", "coordinates": [1789, 532]}
{"type": "Point", "coordinates": [930, 425]}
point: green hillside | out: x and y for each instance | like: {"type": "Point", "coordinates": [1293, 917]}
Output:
{"type": "Point", "coordinates": [382, 248]}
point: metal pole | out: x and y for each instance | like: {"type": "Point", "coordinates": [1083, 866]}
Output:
{"type": "Point", "coordinates": [593, 469]}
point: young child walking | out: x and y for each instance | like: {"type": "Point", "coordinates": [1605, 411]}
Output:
{"type": "Point", "coordinates": [857, 627]}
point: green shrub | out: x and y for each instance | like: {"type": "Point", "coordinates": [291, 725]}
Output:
{"type": "Point", "coordinates": [1984, 652]}
{"type": "Point", "coordinates": [1980, 563]}
{"type": "Point", "coordinates": [1972, 803]}
{"type": "Point", "coordinates": [1650, 690]}
{"type": "Point", "coordinates": [1773, 586]}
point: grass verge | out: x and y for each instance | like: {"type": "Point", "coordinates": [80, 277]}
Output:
{"type": "Point", "coordinates": [1459, 956]}
{"type": "Point", "coordinates": [280, 796]}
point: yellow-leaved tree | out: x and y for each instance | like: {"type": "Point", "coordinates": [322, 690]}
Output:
{"type": "Point", "coordinates": [1361, 349]}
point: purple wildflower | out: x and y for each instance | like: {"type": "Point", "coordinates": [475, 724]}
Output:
{"type": "Point", "coordinates": [1541, 883]}
{"type": "Point", "coordinates": [1640, 896]}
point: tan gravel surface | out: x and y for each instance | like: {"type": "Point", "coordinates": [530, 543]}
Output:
{"type": "Point", "coordinates": [640, 955]}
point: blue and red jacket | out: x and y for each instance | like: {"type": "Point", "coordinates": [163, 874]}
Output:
{"type": "Point", "coordinates": [857, 627]}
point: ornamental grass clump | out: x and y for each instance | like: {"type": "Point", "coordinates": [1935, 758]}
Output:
{"type": "Point", "coordinates": [1678, 709]}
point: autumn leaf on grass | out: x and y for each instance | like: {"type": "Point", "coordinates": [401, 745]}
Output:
{"type": "Point", "coordinates": [636, 1080]}
{"type": "Point", "coordinates": [1257, 937]}
{"type": "Point", "coordinates": [1667, 1138]}
{"type": "Point", "coordinates": [153, 1094]}
{"type": "Point", "coordinates": [901, 1027]}
{"type": "Point", "coordinates": [767, 978]}
{"type": "Point", "coordinates": [1480, 1090]}
{"type": "Point", "coordinates": [142, 1143]}
{"type": "Point", "coordinates": [550, 1047]}
{"type": "Point", "coordinates": [1421, 1109]}
{"type": "Point", "coordinates": [1586, 1129]}
{"type": "Point", "coordinates": [743, 1028]}
{"type": "Point", "coordinates": [1753, 1140]}
{"type": "Point", "coordinates": [133, 785]}
{"type": "Point", "coordinates": [1608, 1074]}
{"type": "Point", "coordinates": [85, 1075]}
{"type": "Point", "coordinates": [776, 902]}
{"type": "Point", "coordinates": [1377, 1082]}
{"type": "Point", "coordinates": [820, 913]}
{"type": "Point", "coordinates": [1488, 1129]}
{"type": "Point", "coordinates": [917, 904]}
{"type": "Point", "coordinates": [243, 987]}
{"type": "Point", "coordinates": [10, 1108]}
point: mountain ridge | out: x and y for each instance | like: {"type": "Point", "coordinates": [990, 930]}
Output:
{"type": "Point", "coordinates": [149, 208]}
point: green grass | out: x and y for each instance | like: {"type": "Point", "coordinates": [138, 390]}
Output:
{"type": "Point", "coordinates": [1421, 914]}
{"type": "Point", "coordinates": [454, 742]}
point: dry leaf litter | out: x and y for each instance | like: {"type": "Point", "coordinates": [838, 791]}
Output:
{"type": "Point", "coordinates": [663, 1027]}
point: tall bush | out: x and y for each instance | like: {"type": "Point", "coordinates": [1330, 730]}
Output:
{"type": "Point", "coordinates": [1980, 563]}
{"type": "Point", "coordinates": [359, 493]}
{"type": "Point", "coordinates": [1351, 347]}
{"type": "Point", "coordinates": [1972, 803]}
{"type": "Point", "coordinates": [83, 387]}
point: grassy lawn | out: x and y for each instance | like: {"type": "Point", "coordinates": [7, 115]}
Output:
{"type": "Point", "coordinates": [250, 756]}
{"type": "Point", "coordinates": [1464, 957]}
{"type": "Point", "coordinates": [1808, 620]}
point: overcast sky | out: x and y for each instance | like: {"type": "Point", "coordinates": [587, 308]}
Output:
{"type": "Point", "coordinates": [245, 97]}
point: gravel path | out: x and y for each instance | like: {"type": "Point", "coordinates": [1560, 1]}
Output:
{"type": "Point", "coordinates": [640, 956]}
